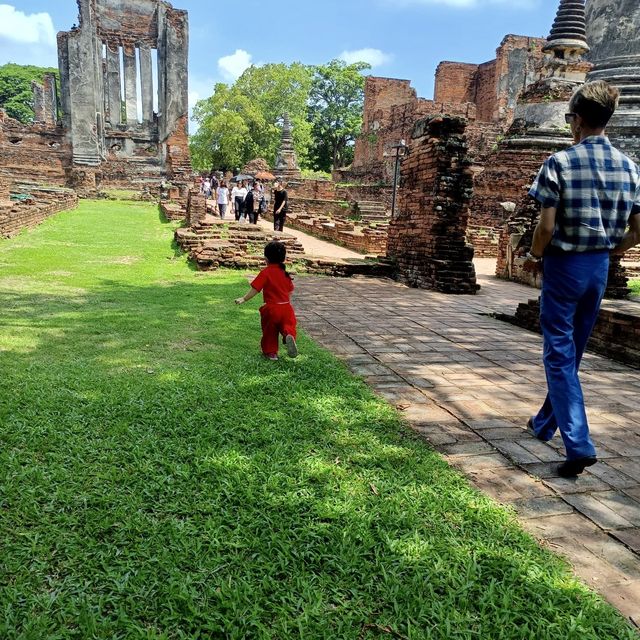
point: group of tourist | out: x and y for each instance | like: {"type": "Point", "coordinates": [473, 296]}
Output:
{"type": "Point", "coordinates": [249, 199]}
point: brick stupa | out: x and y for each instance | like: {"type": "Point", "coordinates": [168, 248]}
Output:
{"type": "Point", "coordinates": [287, 161]}
{"type": "Point", "coordinates": [613, 32]}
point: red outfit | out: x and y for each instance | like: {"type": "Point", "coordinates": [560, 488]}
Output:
{"type": "Point", "coordinates": [277, 315]}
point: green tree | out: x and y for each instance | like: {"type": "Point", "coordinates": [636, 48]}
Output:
{"type": "Point", "coordinates": [240, 122]}
{"type": "Point", "coordinates": [335, 111]}
{"type": "Point", "coordinates": [16, 95]}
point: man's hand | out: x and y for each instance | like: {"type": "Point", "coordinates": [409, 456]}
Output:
{"type": "Point", "coordinates": [532, 265]}
{"type": "Point", "coordinates": [240, 300]}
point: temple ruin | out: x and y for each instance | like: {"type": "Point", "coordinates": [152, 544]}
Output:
{"type": "Point", "coordinates": [118, 134]}
{"type": "Point", "coordinates": [119, 120]}
{"type": "Point", "coordinates": [119, 117]}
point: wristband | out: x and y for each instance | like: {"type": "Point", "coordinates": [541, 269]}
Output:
{"type": "Point", "coordinates": [530, 256]}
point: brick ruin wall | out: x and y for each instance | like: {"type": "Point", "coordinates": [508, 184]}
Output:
{"type": "Point", "coordinates": [484, 94]}
{"type": "Point", "coordinates": [323, 208]}
{"type": "Point", "coordinates": [485, 91]}
{"type": "Point", "coordinates": [391, 110]}
{"type": "Point", "coordinates": [39, 204]}
{"type": "Point", "coordinates": [33, 166]}
{"type": "Point", "coordinates": [36, 153]}
{"type": "Point", "coordinates": [506, 177]}
{"type": "Point", "coordinates": [616, 334]}
{"type": "Point", "coordinates": [427, 238]}
{"type": "Point", "coordinates": [455, 82]}
{"type": "Point", "coordinates": [213, 243]}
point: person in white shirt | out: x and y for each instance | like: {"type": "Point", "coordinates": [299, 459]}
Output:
{"type": "Point", "coordinates": [223, 198]}
{"type": "Point", "coordinates": [238, 194]}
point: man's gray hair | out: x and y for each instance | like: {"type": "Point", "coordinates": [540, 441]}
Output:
{"type": "Point", "coordinates": [595, 102]}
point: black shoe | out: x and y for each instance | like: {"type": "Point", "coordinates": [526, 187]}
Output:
{"type": "Point", "coordinates": [533, 431]}
{"type": "Point", "coordinates": [573, 468]}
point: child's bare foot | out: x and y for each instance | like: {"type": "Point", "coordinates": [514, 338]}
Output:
{"type": "Point", "coordinates": [292, 347]}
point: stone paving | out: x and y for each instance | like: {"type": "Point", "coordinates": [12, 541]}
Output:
{"type": "Point", "coordinates": [313, 247]}
{"type": "Point", "coordinates": [468, 383]}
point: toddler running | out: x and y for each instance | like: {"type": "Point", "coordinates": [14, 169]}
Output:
{"type": "Point", "coordinates": [276, 314]}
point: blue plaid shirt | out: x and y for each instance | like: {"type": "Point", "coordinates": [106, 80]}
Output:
{"type": "Point", "coordinates": [595, 189]}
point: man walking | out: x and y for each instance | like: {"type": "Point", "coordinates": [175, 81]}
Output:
{"type": "Point", "coordinates": [280, 207]}
{"type": "Point", "coordinates": [590, 195]}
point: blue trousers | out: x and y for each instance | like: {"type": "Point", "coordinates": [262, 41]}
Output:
{"type": "Point", "coordinates": [572, 291]}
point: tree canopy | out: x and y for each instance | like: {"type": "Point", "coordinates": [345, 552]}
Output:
{"type": "Point", "coordinates": [241, 122]}
{"type": "Point", "coordinates": [335, 112]}
{"type": "Point", "coordinates": [16, 95]}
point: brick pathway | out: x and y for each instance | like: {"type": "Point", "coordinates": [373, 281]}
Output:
{"type": "Point", "coordinates": [314, 247]}
{"type": "Point", "coordinates": [468, 384]}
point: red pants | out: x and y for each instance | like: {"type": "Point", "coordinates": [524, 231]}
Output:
{"type": "Point", "coordinates": [277, 319]}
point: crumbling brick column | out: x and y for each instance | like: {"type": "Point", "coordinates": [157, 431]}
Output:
{"type": "Point", "coordinates": [427, 238]}
{"type": "Point", "coordinates": [196, 208]}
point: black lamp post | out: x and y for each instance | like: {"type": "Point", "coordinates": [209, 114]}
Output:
{"type": "Point", "coordinates": [401, 149]}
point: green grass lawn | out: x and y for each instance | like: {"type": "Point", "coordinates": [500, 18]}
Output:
{"type": "Point", "coordinates": [635, 287]}
{"type": "Point", "coordinates": [158, 479]}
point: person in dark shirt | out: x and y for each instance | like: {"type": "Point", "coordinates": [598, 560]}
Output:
{"type": "Point", "coordinates": [252, 204]}
{"type": "Point", "coordinates": [280, 207]}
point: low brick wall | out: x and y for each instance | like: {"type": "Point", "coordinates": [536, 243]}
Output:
{"type": "Point", "coordinates": [485, 241]}
{"type": "Point", "coordinates": [344, 234]}
{"type": "Point", "coordinates": [616, 334]}
{"type": "Point", "coordinates": [42, 203]}
{"type": "Point", "coordinates": [213, 244]}
{"type": "Point", "coordinates": [173, 210]}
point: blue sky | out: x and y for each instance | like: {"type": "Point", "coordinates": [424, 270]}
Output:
{"type": "Point", "coordinates": [402, 38]}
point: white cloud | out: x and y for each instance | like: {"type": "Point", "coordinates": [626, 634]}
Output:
{"type": "Point", "coordinates": [374, 57]}
{"type": "Point", "coordinates": [231, 67]}
{"type": "Point", "coordinates": [17, 26]}
{"type": "Point", "coordinates": [26, 38]}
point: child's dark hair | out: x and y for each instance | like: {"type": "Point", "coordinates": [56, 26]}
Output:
{"type": "Point", "coordinates": [276, 253]}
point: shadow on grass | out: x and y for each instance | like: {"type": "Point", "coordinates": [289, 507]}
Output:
{"type": "Point", "coordinates": [161, 480]}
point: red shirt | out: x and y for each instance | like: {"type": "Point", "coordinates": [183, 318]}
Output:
{"type": "Point", "coordinates": [274, 284]}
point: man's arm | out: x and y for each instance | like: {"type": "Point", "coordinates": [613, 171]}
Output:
{"type": "Point", "coordinates": [631, 238]}
{"type": "Point", "coordinates": [544, 231]}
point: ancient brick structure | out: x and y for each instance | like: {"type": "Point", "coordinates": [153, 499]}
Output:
{"type": "Point", "coordinates": [427, 237]}
{"type": "Point", "coordinates": [540, 128]}
{"type": "Point", "coordinates": [352, 216]}
{"type": "Point", "coordinates": [115, 47]}
{"type": "Point", "coordinates": [36, 204]}
{"type": "Point", "coordinates": [45, 100]}
{"type": "Point", "coordinates": [538, 131]}
{"type": "Point", "coordinates": [613, 32]}
{"type": "Point", "coordinates": [485, 94]}
{"type": "Point", "coordinates": [87, 133]}
{"type": "Point", "coordinates": [391, 110]}
{"type": "Point", "coordinates": [39, 153]}
{"type": "Point", "coordinates": [286, 161]}
{"type": "Point", "coordinates": [213, 243]}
